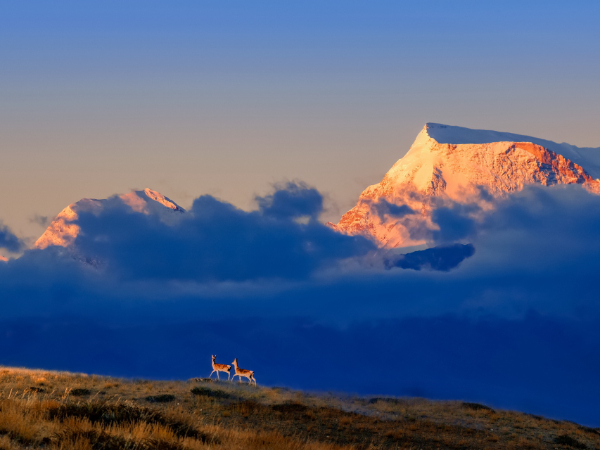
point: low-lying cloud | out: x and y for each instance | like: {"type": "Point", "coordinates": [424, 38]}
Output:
{"type": "Point", "coordinates": [384, 208]}
{"type": "Point", "coordinates": [291, 201]}
{"type": "Point", "coordinates": [514, 325]}
{"type": "Point", "coordinates": [216, 241]}
{"type": "Point", "coordinates": [437, 258]}
{"type": "Point", "coordinates": [8, 240]}
{"type": "Point", "coordinates": [42, 221]}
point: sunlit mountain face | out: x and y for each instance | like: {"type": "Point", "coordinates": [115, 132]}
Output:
{"type": "Point", "coordinates": [449, 166]}
{"type": "Point", "coordinates": [446, 167]}
{"type": "Point", "coordinates": [63, 230]}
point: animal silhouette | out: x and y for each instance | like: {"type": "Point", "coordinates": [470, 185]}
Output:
{"type": "Point", "coordinates": [220, 368]}
{"type": "Point", "coordinates": [243, 373]}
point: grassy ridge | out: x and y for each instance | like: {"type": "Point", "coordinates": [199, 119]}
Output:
{"type": "Point", "coordinates": [40, 409]}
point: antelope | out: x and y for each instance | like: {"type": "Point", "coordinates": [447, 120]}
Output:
{"type": "Point", "coordinates": [220, 368]}
{"type": "Point", "coordinates": [243, 373]}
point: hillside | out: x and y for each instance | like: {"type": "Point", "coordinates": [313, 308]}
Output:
{"type": "Point", "coordinates": [41, 409]}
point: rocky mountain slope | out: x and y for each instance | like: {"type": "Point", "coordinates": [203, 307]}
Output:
{"type": "Point", "coordinates": [448, 165]}
{"type": "Point", "coordinates": [62, 231]}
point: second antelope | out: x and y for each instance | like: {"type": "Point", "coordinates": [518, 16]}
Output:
{"type": "Point", "coordinates": [243, 373]}
{"type": "Point", "coordinates": [220, 368]}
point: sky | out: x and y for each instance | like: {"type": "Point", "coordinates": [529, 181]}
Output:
{"type": "Point", "coordinates": [226, 98]}
{"type": "Point", "coordinates": [265, 119]}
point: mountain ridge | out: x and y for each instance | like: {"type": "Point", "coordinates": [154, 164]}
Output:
{"type": "Point", "coordinates": [62, 231]}
{"type": "Point", "coordinates": [468, 166]}
{"type": "Point", "coordinates": [588, 157]}
{"type": "Point", "coordinates": [445, 165]}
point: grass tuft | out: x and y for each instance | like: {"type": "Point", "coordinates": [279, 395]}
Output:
{"type": "Point", "coordinates": [477, 407]}
{"type": "Point", "coordinates": [213, 393]}
{"type": "Point", "coordinates": [569, 441]}
{"type": "Point", "coordinates": [163, 398]}
{"type": "Point", "coordinates": [291, 407]}
{"type": "Point", "coordinates": [36, 389]}
{"type": "Point", "coordinates": [80, 392]}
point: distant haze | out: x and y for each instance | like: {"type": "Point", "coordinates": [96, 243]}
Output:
{"type": "Point", "coordinates": [226, 98]}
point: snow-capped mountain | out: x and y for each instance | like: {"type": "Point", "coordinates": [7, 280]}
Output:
{"type": "Point", "coordinates": [63, 231]}
{"type": "Point", "coordinates": [444, 166]}
{"type": "Point", "coordinates": [448, 164]}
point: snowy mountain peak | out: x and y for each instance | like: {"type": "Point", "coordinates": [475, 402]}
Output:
{"type": "Point", "coordinates": [448, 134]}
{"type": "Point", "coordinates": [165, 201]}
{"type": "Point", "coordinates": [452, 164]}
{"type": "Point", "coordinates": [62, 231]}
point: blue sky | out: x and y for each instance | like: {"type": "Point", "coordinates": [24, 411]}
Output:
{"type": "Point", "coordinates": [226, 97]}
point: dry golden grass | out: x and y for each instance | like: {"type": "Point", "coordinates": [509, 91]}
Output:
{"type": "Point", "coordinates": [41, 409]}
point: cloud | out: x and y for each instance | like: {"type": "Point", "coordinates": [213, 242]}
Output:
{"type": "Point", "coordinates": [437, 258]}
{"type": "Point", "coordinates": [42, 221]}
{"type": "Point", "coordinates": [514, 325]}
{"type": "Point", "coordinates": [217, 242]}
{"type": "Point", "coordinates": [384, 208]}
{"type": "Point", "coordinates": [8, 240]}
{"type": "Point", "coordinates": [292, 200]}
{"type": "Point", "coordinates": [455, 223]}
